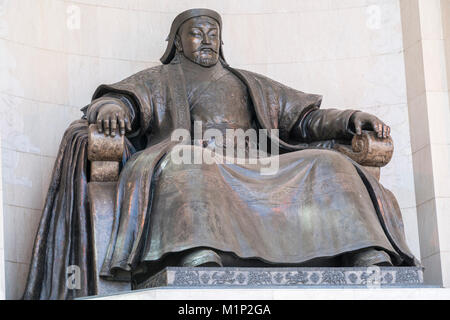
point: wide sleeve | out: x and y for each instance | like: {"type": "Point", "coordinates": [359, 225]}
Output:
{"type": "Point", "coordinates": [137, 94]}
{"type": "Point", "coordinates": [323, 124]}
{"type": "Point", "coordinates": [295, 106]}
{"type": "Point", "coordinates": [278, 106]}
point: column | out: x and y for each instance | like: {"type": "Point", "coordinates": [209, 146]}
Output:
{"type": "Point", "coordinates": [426, 50]}
{"type": "Point", "coordinates": [2, 247]}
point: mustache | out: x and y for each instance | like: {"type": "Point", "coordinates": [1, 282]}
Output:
{"type": "Point", "coordinates": [204, 48]}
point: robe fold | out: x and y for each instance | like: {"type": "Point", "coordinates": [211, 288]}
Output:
{"type": "Point", "coordinates": [158, 96]}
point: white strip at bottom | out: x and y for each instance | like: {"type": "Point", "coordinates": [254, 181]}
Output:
{"type": "Point", "coordinates": [282, 294]}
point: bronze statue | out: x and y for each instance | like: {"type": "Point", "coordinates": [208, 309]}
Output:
{"type": "Point", "coordinates": [320, 208]}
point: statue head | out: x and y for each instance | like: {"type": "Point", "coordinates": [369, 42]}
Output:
{"type": "Point", "coordinates": [199, 40]}
{"type": "Point", "coordinates": [196, 33]}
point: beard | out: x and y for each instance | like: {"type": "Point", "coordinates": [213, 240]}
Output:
{"type": "Point", "coordinates": [206, 60]}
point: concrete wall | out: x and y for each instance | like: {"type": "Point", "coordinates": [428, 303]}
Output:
{"type": "Point", "coordinates": [54, 53]}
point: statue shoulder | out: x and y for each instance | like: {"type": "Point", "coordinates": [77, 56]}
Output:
{"type": "Point", "coordinates": [146, 74]}
{"type": "Point", "coordinates": [251, 74]}
{"type": "Point", "coordinates": [253, 78]}
{"type": "Point", "coordinates": [137, 83]}
{"type": "Point", "coordinates": [273, 87]}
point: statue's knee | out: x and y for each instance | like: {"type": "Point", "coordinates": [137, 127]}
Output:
{"type": "Point", "coordinates": [333, 159]}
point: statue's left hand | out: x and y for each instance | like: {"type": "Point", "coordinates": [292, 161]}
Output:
{"type": "Point", "coordinates": [365, 121]}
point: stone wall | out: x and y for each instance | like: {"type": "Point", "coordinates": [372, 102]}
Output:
{"type": "Point", "coordinates": [54, 53]}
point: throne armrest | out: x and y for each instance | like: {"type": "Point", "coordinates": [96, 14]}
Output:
{"type": "Point", "coordinates": [369, 151]}
{"type": "Point", "coordinates": [105, 154]}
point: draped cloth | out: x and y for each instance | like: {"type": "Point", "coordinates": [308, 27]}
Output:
{"type": "Point", "coordinates": [64, 237]}
{"type": "Point", "coordinates": [159, 95]}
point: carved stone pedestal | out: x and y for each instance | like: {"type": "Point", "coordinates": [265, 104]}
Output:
{"type": "Point", "coordinates": [282, 277]}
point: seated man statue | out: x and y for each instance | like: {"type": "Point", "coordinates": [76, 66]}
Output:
{"type": "Point", "coordinates": [319, 208]}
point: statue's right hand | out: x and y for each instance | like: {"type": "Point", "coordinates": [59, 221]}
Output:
{"type": "Point", "coordinates": [109, 115]}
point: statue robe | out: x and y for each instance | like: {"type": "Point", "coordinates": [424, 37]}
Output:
{"type": "Point", "coordinates": [159, 97]}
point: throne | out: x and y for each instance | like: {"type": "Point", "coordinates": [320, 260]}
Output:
{"type": "Point", "coordinates": [105, 155]}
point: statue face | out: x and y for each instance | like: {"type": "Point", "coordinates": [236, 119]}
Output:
{"type": "Point", "coordinates": [199, 40]}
